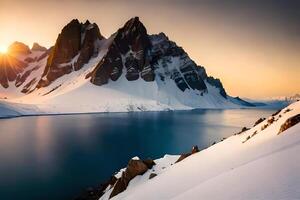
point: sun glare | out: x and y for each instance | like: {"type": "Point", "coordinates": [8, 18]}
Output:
{"type": "Point", "coordinates": [3, 49]}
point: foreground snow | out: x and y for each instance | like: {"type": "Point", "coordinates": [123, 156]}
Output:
{"type": "Point", "coordinates": [266, 166]}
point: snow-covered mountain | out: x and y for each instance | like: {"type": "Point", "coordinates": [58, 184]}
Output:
{"type": "Point", "coordinates": [275, 102]}
{"type": "Point", "coordinates": [129, 71]}
{"type": "Point", "coordinates": [257, 163]}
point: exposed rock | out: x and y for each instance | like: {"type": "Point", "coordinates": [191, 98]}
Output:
{"type": "Point", "coordinates": [270, 120]}
{"type": "Point", "coordinates": [75, 39]}
{"type": "Point", "coordinates": [163, 52]}
{"type": "Point", "coordinates": [152, 175]}
{"type": "Point", "coordinates": [195, 149]}
{"type": "Point", "coordinates": [29, 60]}
{"type": "Point", "coordinates": [183, 156]}
{"type": "Point", "coordinates": [149, 162]}
{"type": "Point", "coordinates": [132, 43]}
{"type": "Point", "coordinates": [287, 110]}
{"type": "Point", "coordinates": [134, 168]}
{"type": "Point", "coordinates": [260, 120]}
{"type": "Point", "coordinates": [22, 78]}
{"type": "Point", "coordinates": [211, 80]}
{"type": "Point", "coordinates": [248, 138]}
{"type": "Point", "coordinates": [37, 47]}
{"type": "Point", "coordinates": [243, 130]}
{"type": "Point", "coordinates": [88, 48]}
{"type": "Point", "coordinates": [96, 192]}
{"type": "Point", "coordinates": [264, 127]}
{"type": "Point", "coordinates": [292, 121]}
{"type": "Point", "coordinates": [255, 132]}
{"type": "Point", "coordinates": [145, 56]}
{"type": "Point", "coordinates": [276, 113]}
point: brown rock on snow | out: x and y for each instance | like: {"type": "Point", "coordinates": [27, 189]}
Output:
{"type": "Point", "coordinates": [134, 168]}
{"type": "Point", "coordinates": [183, 156]}
{"type": "Point", "coordinates": [152, 175]}
{"type": "Point", "coordinates": [259, 121]}
{"type": "Point", "coordinates": [292, 121]}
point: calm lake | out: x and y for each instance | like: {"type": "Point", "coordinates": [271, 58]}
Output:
{"type": "Point", "coordinates": [57, 157]}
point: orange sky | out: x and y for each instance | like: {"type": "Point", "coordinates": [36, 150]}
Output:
{"type": "Point", "coordinates": [253, 48]}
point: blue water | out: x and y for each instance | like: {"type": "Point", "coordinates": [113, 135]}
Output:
{"type": "Point", "coordinates": [58, 157]}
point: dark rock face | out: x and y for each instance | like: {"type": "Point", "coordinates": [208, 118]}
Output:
{"type": "Point", "coordinates": [97, 192]}
{"type": "Point", "coordinates": [134, 168]}
{"type": "Point", "coordinates": [152, 175]}
{"type": "Point", "coordinates": [211, 80]}
{"type": "Point", "coordinates": [142, 56]}
{"type": "Point", "coordinates": [183, 156]}
{"type": "Point", "coordinates": [128, 50]}
{"type": "Point", "coordinates": [289, 123]}
{"type": "Point", "coordinates": [88, 49]}
{"type": "Point", "coordinates": [165, 52]}
{"type": "Point", "coordinates": [75, 38]}
{"type": "Point", "coordinates": [10, 68]}
{"type": "Point", "coordinates": [149, 162]}
{"type": "Point", "coordinates": [260, 120]}
{"type": "Point", "coordinates": [37, 47]}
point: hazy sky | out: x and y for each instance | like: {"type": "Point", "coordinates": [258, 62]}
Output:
{"type": "Point", "coordinates": [252, 46]}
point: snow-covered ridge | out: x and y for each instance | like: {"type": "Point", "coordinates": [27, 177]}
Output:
{"type": "Point", "coordinates": [260, 163]}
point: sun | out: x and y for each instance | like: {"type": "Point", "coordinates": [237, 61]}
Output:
{"type": "Point", "coordinates": [3, 49]}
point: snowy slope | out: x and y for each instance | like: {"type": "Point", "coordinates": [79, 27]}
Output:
{"type": "Point", "coordinates": [32, 72]}
{"type": "Point", "coordinates": [266, 166]}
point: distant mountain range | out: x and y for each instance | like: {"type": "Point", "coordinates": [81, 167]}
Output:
{"type": "Point", "coordinates": [275, 102]}
{"type": "Point", "coordinates": [129, 71]}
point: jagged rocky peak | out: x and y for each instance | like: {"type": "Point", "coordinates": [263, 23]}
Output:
{"type": "Point", "coordinates": [17, 48]}
{"type": "Point", "coordinates": [74, 47]}
{"type": "Point", "coordinates": [37, 47]}
{"type": "Point", "coordinates": [172, 62]}
{"type": "Point", "coordinates": [211, 80]}
{"type": "Point", "coordinates": [147, 57]}
{"type": "Point", "coordinates": [128, 50]}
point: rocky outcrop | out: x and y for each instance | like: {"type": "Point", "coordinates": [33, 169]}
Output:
{"type": "Point", "coordinates": [211, 80]}
{"type": "Point", "coordinates": [128, 51]}
{"type": "Point", "coordinates": [172, 62]}
{"type": "Point", "coordinates": [37, 47]}
{"type": "Point", "coordinates": [292, 121]}
{"type": "Point", "coordinates": [134, 168]}
{"type": "Point", "coordinates": [152, 175]}
{"type": "Point", "coordinates": [76, 39]}
{"type": "Point", "coordinates": [260, 120]}
{"type": "Point", "coordinates": [184, 156]}
{"type": "Point", "coordinates": [146, 57]}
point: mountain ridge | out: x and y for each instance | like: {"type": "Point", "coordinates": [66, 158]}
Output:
{"type": "Point", "coordinates": [83, 57]}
